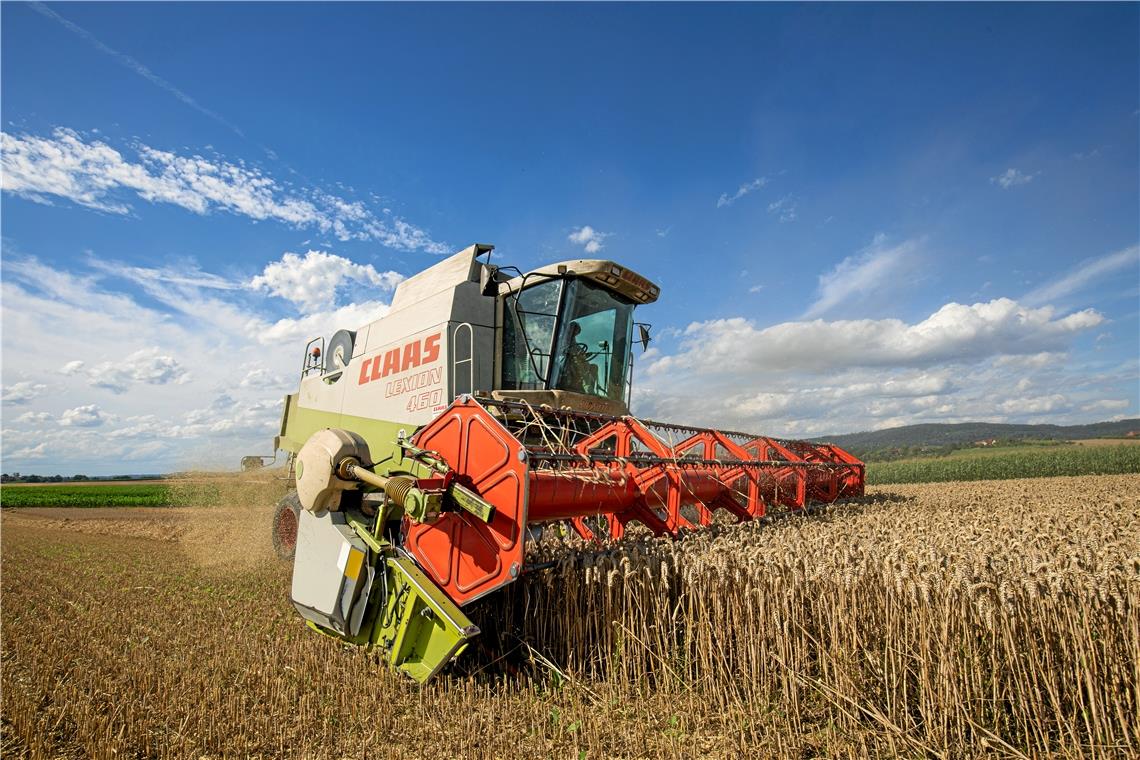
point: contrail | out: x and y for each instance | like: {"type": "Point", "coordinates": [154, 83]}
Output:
{"type": "Point", "coordinates": [137, 67]}
{"type": "Point", "coordinates": [1085, 272]}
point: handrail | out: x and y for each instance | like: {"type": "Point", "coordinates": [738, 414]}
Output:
{"type": "Point", "coordinates": [307, 365]}
{"type": "Point", "coordinates": [469, 361]}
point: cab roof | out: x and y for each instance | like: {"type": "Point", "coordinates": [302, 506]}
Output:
{"type": "Point", "coordinates": [608, 274]}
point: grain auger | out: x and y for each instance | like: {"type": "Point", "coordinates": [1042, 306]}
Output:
{"type": "Point", "coordinates": [431, 445]}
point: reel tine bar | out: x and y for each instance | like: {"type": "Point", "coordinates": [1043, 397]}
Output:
{"type": "Point", "coordinates": [679, 475]}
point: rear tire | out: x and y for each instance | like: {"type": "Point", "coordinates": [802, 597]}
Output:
{"type": "Point", "coordinates": [285, 519]}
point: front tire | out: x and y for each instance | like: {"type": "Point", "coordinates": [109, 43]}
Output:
{"type": "Point", "coordinates": [285, 520]}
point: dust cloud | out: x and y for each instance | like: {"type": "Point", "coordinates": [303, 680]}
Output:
{"type": "Point", "coordinates": [224, 521]}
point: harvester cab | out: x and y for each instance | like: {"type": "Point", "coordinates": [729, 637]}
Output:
{"type": "Point", "coordinates": [429, 445]}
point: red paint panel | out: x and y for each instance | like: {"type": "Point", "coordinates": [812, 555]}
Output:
{"type": "Point", "coordinates": [468, 558]}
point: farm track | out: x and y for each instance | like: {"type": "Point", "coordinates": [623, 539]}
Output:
{"type": "Point", "coordinates": [160, 523]}
{"type": "Point", "coordinates": [957, 620]}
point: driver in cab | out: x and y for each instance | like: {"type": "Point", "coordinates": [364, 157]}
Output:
{"type": "Point", "coordinates": [579, 375]}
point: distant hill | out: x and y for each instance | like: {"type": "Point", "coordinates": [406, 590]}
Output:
{"type": "Point", "coordinates": [936, 436]}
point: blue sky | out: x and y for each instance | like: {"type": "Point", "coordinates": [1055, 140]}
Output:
{"type": "Point", "coordinates": [860, 215]}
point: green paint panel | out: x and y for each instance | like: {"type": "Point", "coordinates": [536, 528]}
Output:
{"type": "Point", "coordinates": [300, 423]}
{"type": "Point", "coordinates": [416, 625]}
{"type": "Point", "coordinates": [428, 629]}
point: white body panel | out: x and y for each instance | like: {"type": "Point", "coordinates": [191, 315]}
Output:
{"type": "Point", "coordinates": [331, 578]}
{"type": "Point", "coordinates": [403, 381]}
{"type": "Point", "coordinates": [408, 366]}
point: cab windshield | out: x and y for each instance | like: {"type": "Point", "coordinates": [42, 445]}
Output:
{"type": "Point", "coordinates": [569, 335]}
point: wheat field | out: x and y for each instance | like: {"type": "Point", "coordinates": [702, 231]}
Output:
{"type": "Point", "coordinates": [944, 620]}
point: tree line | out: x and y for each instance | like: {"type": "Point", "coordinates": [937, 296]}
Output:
{"type": "Point", "coordinates": [16, 477]}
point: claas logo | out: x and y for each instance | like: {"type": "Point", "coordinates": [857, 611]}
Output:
{"type": "Point", "coordinates": [399, 360]}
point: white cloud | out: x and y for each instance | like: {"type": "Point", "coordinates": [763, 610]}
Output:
{"type": "Point", "coordinates": [325, 323]}
{"type": "Point", "coordinates": [1031, 361]}
{"type": "Point", "coordinates": [1012, 178]}
{"type": "Point", "coordinates": [22, 392]}
{"type": "Point", "coordinates": [243, 355]}
{"type": "Point", "coordinates": [183, 291]}
{"type": "Point", "coordinates": [88, 415]}
{"type": "Point", "coordinates": [797, 403]}
{"type": "Point", "coordinates": [785, 208]}
{"type": "Point", "coordinates": [748, 187]}
{"type": "Point", "coordinates": [147, 365]}
{"type": "Point", "coordinates": [1107, 405]}
{"type": "Point", "coordinates": [755, 288]}
{"type": "Point", "coordinates": [995, 361]}
{"type": "Point", "coordinates": [912, 389]}
{"type": "Point", "coordinates": [312, 281]}
{"type": "Point", "coordinates": [151, 367]}
{"type": "Point", "coordinates": [188, 276]}
{"type": "Point", "coordinates": [864, 274]}
{"type": "Point", "coordinates": [954, 333]}
{"type": "Point", "coordinates": [1088, 271]}
{"type": "Point", "coordinates": [922, 384]}
{"type": "Point", "coordinates": [592, 240]}
{"type": "Point", "coordinates": [35, 417]}
{"type": "Point", "coordinates": [30, 452]}
{"type": "Point", "coordinates": [1034, 405]}
{"type": "Point", "coordinates": [91, 173]}
{"type": "Point", "coordinates": [260, 377]}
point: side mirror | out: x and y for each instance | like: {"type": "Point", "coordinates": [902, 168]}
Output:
{"type": "Point", "coordinates": [489, 280]}
{"type": "Point", "coordinates": [644, 330]}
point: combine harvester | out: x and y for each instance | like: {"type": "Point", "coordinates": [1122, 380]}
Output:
{"type": "Point", "coordinates": [431, 445]}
